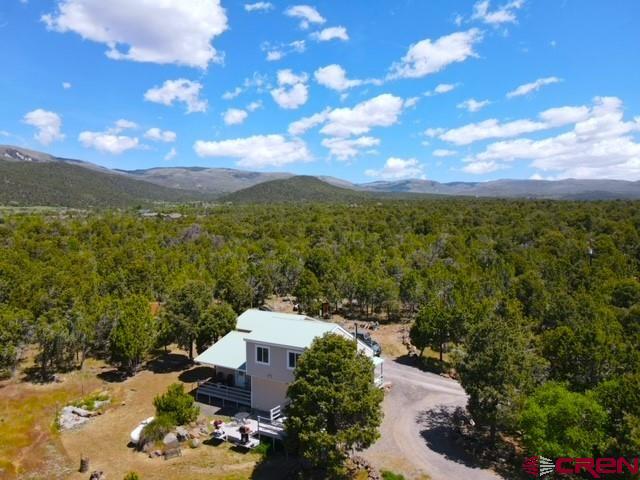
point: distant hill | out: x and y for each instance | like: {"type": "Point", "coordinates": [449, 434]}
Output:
{"type": "Point", "coordinates": [41, 179]}
{"type": "Point", "coordinates": [296, 189]}
{"type": "Point", "coordinates": [28, 177]}
{"type": "Point", "coordinates": [216, 181]}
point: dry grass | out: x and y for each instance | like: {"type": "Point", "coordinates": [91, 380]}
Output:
{"type": "Point", "coordinates": [32, 448]}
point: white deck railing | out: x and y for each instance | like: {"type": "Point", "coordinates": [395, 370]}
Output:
{"type": "Point", "coordinates": [239, 396]}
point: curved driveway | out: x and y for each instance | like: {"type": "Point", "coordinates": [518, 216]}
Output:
{"type": "Point", "coordinates": [414, 438]}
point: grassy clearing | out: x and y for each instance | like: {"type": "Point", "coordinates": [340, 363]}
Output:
{"type": "Point", "coordinates": [28, 434]}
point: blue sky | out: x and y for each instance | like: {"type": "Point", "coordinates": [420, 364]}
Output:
{"type": "Point", "coordinates": [363, 90]}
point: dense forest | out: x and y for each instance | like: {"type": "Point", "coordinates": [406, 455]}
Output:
{"type": "Point", "coordinates": [538, 302]}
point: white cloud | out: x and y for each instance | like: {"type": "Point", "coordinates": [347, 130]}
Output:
{"type": "Point", "coordinates": [434, 132]}
{"type": "Point", "coordinates": [440, 89]}
{"type": "Point", "coordinates": [381, 111]}
{"type": "Point", "coordinates": [253, 106]}
{"type": "Point", "coordinates": [480, 168]}
{"type": "Point", "coordinates": [258, 7]}
{"type": "Point", "coordinates": [441, 152]}
{"type": "Point", "coordinates": [600, 145]}
{"type": "Point", "coordinates": [165, 32]}
{"type": "Point", "coordinates": [492, 128]}
{"type": "Point", "coordinates": [258, 151]}
{"type": "Point", "coordinates": [278, 51]}
{"type": "Point", "coordinates": [397, 169]}
{"type": "Point", "coordinates": [47, 123]}
{"type": "Point", "coordinates": [180, 90]}
{"type": "Point", "coordinates": [235, 116]}
{"type": "Point", "coordinates": [527, 88]}
{"type": "Point", "coordinates": [411, 102]}
{"type": "Point", "coordinates": [159, 135]}
{"type": "Point", "coordinates": [335, 77]}
{"type": "Point", "coordinates": [307, 15]}
{"type": "Point", "coordinates": [346, 148]}
{"type": "Point", "coordinates": [427, 57]}
{"type": "Point", "coordinates": [473, 105]}
{"type": "Point", "coordinates": [107, 142]}
{"type": "Point", "coordinates": [171, 154]}
{"type": "Point", "coordinates": [301, 126]}
{"type": "Point", "coordinates": [231, 94]}
{"type": "Point", "coordinates": [292, 91]}
{"type": "Point", "coordinates": [66, 85]}
{"type": "Point", "coordinates": [331, 33]}
{"type": "Point", "coordinates": [123, 124]}
{"type": "Point", "coordinates": [503, 14]}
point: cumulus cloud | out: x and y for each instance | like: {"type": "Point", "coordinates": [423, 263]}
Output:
{"type": "Point", "coordinates": [427, 56]}
{"type": "Point", "coordinates": [600, 145]}
{"type": "Point", "coordinates": [258, 151]}
{"type": "Point", "coordinates": [335, 77]}
{"type": "Point", "coordinates": [66, 85]}
{"type": "Point", "coordinates": [292, 91]}
{"type": "Point", "coordinates": [527, 88]}
{"type": "Point", "coordinates": [331, 33]}
{"type": "Point", "coordinates": [123, 124]}
{"type": "Point", "coordinates": [171, 154]}
{"type": "Point", "coordinates": [307, 15]}
{"type": "Point", "coordinates": [441, 152]}
{"type": "Point", "coordinates": [253, 106]}
{"type": "Point", "coordinates": [480, 168]}
{"type": "Point", "coordinates": [158, 135]}
{"type": "Point", "coordinates": [107, 142]}
{"type": "Point", "coordinates": [473, 105]}
{"type": "Point", "coordinates": [503, 14]}
{"type": "Point", "coordinates": [301, 126]}
{"type": "Point", "coordinates": [278, 51]}
{"type": "Point", "coordinates": [180, 90]}
{"type": "Point", "coordinates": [397, 169]}
{"type": "Point", "coordinates": [257, 81]}
{"type": "Point", "coordinates": [492, 128]}
{"type": "Point", "coordinates": [258, 7]}
{"type": "Point", "coordinates": [235, 116]}
{"type": "Point", "coordinates": [165, 32]}
{"type": "Point", "coordinates": [440, 89]}
{"type": "Point", "coordinates": [48, 125]}
{"type": "Point", "coordinates": [381, 111]}
{"type": "Point", "coordinates": [346, 148]}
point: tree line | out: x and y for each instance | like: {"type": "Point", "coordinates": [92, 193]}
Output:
{"type": "Point", "coordinates": [538, 302]}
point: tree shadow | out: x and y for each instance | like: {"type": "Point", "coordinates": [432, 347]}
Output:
{"type": "Point", "coordinates": [425, 364]}
{"type": "Point", "coordinates": [276, 466]}
{"type": "Point", "coordinates": [447, 431]}
{"type": "Point", "coordinates": [196, 374]}
{"type": "Point", "coordinates": [114, 375]}
{"type": "Point", "coordinates": [169, 363]}
{"type": "Point", "coordinates": [439, 430]}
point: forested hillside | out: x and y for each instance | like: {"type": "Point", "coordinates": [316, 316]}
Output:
{"type": "Point", "coordinates": [538, 300]}
{"type": "Point", "coordinates": [57, 183]}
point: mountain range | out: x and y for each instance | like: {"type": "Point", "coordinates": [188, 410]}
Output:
{"type": "Point", "coordinates": [29, 177]}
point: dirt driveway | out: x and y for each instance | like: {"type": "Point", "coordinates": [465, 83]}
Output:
{"type": "Point", "coordinates": [413, 441]}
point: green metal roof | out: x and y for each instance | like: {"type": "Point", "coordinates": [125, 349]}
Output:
{"type": "Point", "coordinates": [228, 352]}
{"type": "Point", "coordinates": [298, 333]}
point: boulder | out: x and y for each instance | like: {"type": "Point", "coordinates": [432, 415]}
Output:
{"type": "Point", "coordinates": [195, 443]}
{"type": "Point", "coordinates": [182, 434]}
{"type": "Point", "coordinates": [170, 440]}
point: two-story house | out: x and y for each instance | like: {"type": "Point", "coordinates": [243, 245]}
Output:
{"type": "Point", "coordinates": [255, 363]}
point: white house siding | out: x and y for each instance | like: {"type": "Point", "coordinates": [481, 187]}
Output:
{"type": "Point", "coordinates": [266, 394]}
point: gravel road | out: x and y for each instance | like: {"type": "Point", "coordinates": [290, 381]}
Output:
{"type": "Point", "coordinates": [414, 437]}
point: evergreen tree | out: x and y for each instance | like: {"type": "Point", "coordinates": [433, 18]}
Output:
{"type": "Point", "coordinates": [335, 406]}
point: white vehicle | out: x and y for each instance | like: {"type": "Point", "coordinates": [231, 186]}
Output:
{"type": "Point", "coordinates": [135, 434]}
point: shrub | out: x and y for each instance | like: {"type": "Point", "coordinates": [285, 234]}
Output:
{"type": "Point", "coordinates": [89, 402]}
{"type": "Point", "coordinates": [156, 430]}
{"type": "Point", "coordinates": [132, 476]}
{"type": "Point", "coordinates": [387, 475]}
{"type": "Point", "coordinates": [177, 405]}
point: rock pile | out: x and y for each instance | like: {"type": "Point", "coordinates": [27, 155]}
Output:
{"type": "Point", "coordinates": [359, 464]}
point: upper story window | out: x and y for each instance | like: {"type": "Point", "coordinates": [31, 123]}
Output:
{"type": "Point", "coordinates": [292, 359]}
{"type": "Point", "coordinates": [262, 355]}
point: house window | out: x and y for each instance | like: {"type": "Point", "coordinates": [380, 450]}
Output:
{"type": "Point", "coordinates": [262, 355]}
{"type": "Point", "coordinates": [292, 359]}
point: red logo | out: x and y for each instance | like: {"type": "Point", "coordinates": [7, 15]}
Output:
{"type": "Point", "coordinates": [596, 467]}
